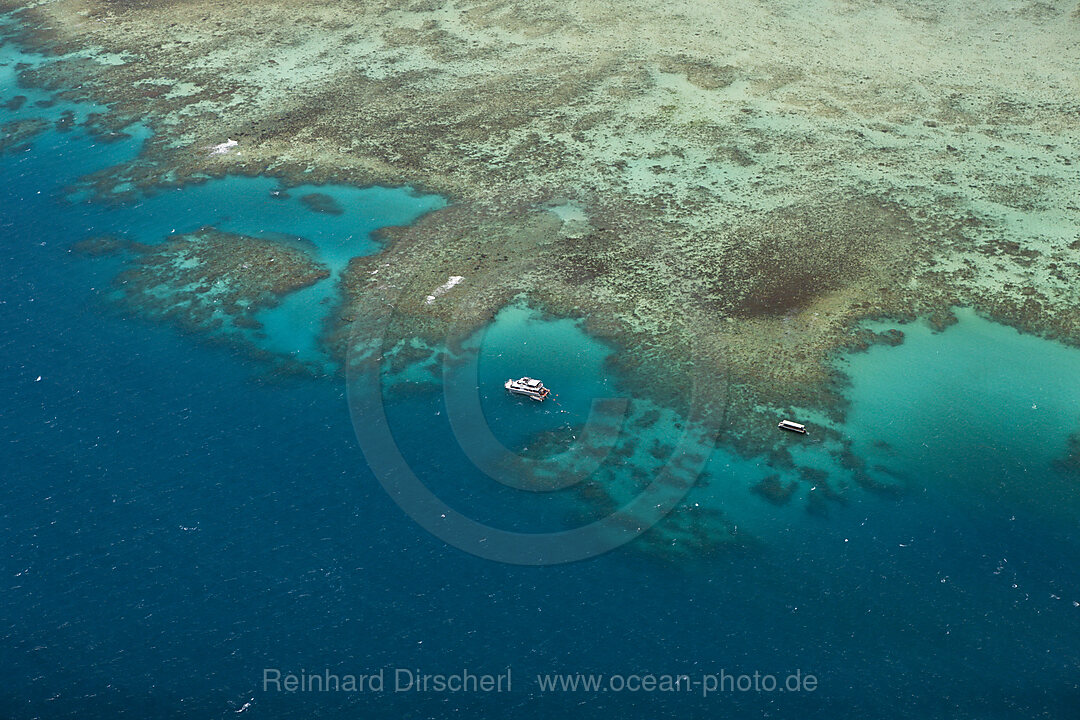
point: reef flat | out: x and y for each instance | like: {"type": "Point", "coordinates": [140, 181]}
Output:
{"type": "Point", "coordinates": [722, 189]}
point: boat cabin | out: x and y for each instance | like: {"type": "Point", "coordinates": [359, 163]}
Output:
{"type": "Point", "coordinates": [792, 426]}
{"type": "Point", "coordinates": [527, 386]}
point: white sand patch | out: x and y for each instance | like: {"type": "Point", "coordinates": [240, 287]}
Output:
{"type": "Point", "coordinates": [454, 280]}
{"type": "Point", "coordinates": [223, 148]}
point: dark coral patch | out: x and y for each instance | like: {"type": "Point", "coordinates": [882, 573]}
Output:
{"type": "Point", "coordinates": [774, 490]}
{"type": "Point", "coordinates": [1070, 463]}
{"type": "Point", "coordinates": [798, 254]}
{"type": "Point", "coordinates": [15, 136]}
{"type": "Point", "coordinates": [321, 203]}
{"type": "Point", "coordinates": [100, 246]}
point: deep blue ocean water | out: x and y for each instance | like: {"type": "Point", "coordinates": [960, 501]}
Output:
{"type": "Point", "coordinates": [175, 520]}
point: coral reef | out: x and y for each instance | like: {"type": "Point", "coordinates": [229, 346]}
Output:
{"type": "Point", "coordinates": [15, 136]}
{"type": "Point", "coordinates": [212, 280]}
{"type": "Point", "coordinates": [723, 191]}
{"type": "Point", "coordinates": [735, 213]}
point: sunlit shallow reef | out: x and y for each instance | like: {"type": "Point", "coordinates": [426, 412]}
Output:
{"type": "Point", "coordinates": [210, 280]}
{"type": "Point", "coordinates": [722, 189]}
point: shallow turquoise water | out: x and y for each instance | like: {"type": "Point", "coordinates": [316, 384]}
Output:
{"type": "Point", "coordinates": [979, 409]}
{"type": "Point", "coordinates": [174, 521]}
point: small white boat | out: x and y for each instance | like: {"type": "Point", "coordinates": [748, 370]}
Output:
{"type": "Point", "coordinates": [528, 387]}
{"type": "Point", "coordinates": [792, 426]}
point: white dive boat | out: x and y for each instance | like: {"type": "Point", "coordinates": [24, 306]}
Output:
{"type": "Point", "coordinates": [528, 387]}
{"type": "Point", "coordinates": [792, 426]}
